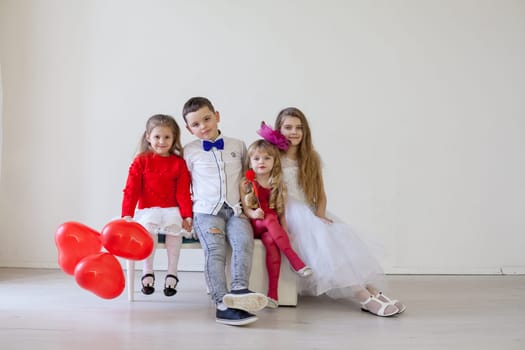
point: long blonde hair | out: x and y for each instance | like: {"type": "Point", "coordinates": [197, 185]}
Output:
{"type": "Point", "coordinates": [161, 120]}
{"type": "Point", "coordinates": [310, 174]}
{"type": "Point", "coordinates": [278, 191]}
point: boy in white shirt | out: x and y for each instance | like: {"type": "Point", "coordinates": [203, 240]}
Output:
{"type": "Point", "coordinates": [216, 164]}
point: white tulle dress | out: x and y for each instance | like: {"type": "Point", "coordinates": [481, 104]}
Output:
{"type": "Point", "coordinates": [341, 262]}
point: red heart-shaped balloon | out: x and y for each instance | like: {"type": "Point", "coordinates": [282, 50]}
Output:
{"type": "Point", "coordinates": [74, 242]}
{"type": "Point", "coordinates": [127, 239]}
{"type": "Point", "coordinates": [101, 274]}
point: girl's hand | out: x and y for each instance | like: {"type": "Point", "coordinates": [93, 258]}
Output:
{"type": "Point", "coordinates": [258, 214]}
{"type": "Point", "coordinates": [187, 224]}
{"type": "Point", "coordinates": [321, 214]}
{"type": "Point", "coordinates": [326, 220]}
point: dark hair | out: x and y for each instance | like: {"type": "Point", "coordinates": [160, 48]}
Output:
{"type": "Point", "coordinates": [162, 120]}
{"type": "Point", "coordinates": [194, 104]}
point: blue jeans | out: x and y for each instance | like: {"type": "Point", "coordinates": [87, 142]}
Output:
{"type": "Point", "coordinates": [213, 231]}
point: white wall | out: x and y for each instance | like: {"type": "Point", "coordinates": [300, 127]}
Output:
{"type": "Point", "coordinates": [417, 108]}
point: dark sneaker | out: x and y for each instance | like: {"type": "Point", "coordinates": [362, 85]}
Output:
{"type": "Point", "coordinates": [245, 299]}
{"type": "Point", "coordinates": [234, 317]}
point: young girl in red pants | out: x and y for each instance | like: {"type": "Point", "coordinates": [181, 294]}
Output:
{"type": "Point", "coordinates": [263, 197]}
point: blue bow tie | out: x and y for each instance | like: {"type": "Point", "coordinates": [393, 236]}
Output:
{"type": "Point", "coordinates": [208, 145]}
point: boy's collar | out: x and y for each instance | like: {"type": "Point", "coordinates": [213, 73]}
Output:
{"type": "Point", "coordinates": [219, 136]}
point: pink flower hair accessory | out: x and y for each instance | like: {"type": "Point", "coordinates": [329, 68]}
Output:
{"type": "Point", "coordinates": [273, 136]}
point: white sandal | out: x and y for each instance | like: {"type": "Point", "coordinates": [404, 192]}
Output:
{"type": "Point", "coordinates": [272, 303]}
{"type": "Point", "coordinates": [381, 311]}
{"type": "Point", "coordinates": [402, 307]}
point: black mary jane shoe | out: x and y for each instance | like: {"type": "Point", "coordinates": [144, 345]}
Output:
{"type": "Point", "coordinates": [170, 291]}
{"type": "Point", "coordinates": [148, 288]}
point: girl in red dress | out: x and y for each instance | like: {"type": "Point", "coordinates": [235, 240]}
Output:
{"type": "Point", "coordinates": [157, 195]}
{"type": "Point", "coordinates": [263, 198]}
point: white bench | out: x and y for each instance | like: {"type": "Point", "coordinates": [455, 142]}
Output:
{"type": "Point", "coordinates": [258, 277]}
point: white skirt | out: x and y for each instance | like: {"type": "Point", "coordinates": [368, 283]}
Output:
{"type": "Point", "coordinates": [162, 220]}
{"type": "Point", "coordinates": [341, 262]}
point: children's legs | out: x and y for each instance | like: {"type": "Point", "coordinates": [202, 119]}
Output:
{"type": "Point", "coordinates": [273, 264]}
{"type": "Point", "coordinates": [211, 232]}
{"type": "Point", "coordinates": [280, 237]}
{"type": "Point", "coordinates": [147, 268]}
{"type": "Point", "coordinates": [173, 244]}
{"type": "Point", "coordinates": [378, 294]}
{"type": "Point", "coordinates": [374, 305]}
{"type": "Point", "coordinates": [240, 236]}
{"type": "Point", "coordinates": [371, 289]}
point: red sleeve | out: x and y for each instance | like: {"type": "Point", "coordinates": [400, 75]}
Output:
{"type": "Point", "coordinates": [132, 189]}
{"type": "Point", "coordinates": [182, 192]}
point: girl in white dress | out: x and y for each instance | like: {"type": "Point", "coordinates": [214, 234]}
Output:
{"type": "Point", "coordinates": [343, 265]}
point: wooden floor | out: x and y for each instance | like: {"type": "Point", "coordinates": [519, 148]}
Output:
{"type": "Point", "coordinates": [45, 309]}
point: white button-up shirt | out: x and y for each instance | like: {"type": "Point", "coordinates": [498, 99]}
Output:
{"type": "Point", "coordinates": [216, 175]}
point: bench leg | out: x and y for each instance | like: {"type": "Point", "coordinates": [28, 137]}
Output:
{"type": "Point", "coordinates": [130, 279]}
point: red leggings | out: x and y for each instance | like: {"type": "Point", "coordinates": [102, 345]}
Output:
{"type": "Point", "coordinates": [275, 240]}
